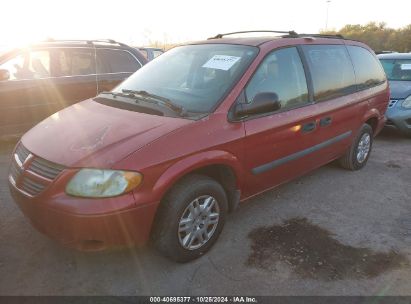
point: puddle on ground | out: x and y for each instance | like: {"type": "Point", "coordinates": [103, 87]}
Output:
{"type": "Point", "coordinates": [312, 252]}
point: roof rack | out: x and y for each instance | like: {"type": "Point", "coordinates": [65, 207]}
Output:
{"type": "Point", "coordinates": [219, 36]}
{"type": "Point", "coordinates": [110, 41]}
{"type": "Point", "coordinates": [336, 36]}
{"type": "Point", "coordinates": [288, 34]}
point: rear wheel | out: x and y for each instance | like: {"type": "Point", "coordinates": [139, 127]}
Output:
{"type": "Point", "coordinates": [357, 155]}
{"type": "Point", "coordinates": [190, 218]}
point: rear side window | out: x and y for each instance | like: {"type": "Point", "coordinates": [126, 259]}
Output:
{"type": "Point", "coordinates": [144, 52]}
{"type": "Point", "coordinates": [368, 70]}
{"type": "Point", "coordinates": [331, 70]}
{"type": "Point", "coordinates": [74, 62]}
{"type": "Point", "coordinates": [116, 61]}
{"type": "Point", "coordinates": [281, 72]}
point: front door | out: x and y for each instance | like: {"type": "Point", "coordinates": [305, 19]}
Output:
{"type": "Point", "coordinates": [26, 97]}
{"type": "Point", "coordinates": [277, 144]}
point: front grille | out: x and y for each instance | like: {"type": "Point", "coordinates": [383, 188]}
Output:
{"type": "Point", "coordinates": [22, 153]}
{"type": "Point", "coordinates": [32, 174]}
{"type": "Point", "coordinates": [392, 103]}
{"type": "Point", "coordinates": [45, 168]}
{"type": "Point", "coordinates": [31, 187]}
{"type": "Point", "coordinates": [15, 170]}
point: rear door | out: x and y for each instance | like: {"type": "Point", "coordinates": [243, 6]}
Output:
{"type": "Point", "coordinates": [313, 126]}
{"type": "Point", "coordinates": [338, 112]}
{"type": "Point", "coordinates": [113, 66]}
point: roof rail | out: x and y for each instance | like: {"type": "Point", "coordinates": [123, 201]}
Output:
{"type": "Point", "coordinates": [111, 41]}
{"type": "Point", "coordinates": [336, 36]}
{"type": "Point", "coordinates": [289, 34]}
{"type": "Point", "coordinates": [219, 36]}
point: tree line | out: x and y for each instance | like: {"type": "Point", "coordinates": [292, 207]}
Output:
{"type": "Point", "coordinates": [378, 36]}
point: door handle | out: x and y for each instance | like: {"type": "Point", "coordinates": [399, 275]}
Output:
{"type": "Point", "coordinates": [326, 121]}
{"type": "Point", "coordinates": [309, 126]}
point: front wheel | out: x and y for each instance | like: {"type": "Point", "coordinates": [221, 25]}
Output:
{"type": "Point", "coordinates": [190, 218]}
{"type": "Point", "coordinates": [357, 155]}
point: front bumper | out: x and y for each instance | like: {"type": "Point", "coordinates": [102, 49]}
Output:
{"type": "Point", "coordinates": [399, 118]}
{"type": "Point", "coordinates": [88, 232]}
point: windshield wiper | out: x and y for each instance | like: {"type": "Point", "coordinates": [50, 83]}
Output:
{"type": "Point", "coordinates": [149, 97]}
{"type": "Point", "coordinates": [114, 94]}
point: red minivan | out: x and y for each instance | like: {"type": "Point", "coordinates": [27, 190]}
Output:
{"type": "Point", "coordinates": [174, 148]}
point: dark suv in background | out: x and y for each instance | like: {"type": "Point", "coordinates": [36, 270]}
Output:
{"type": "Point", "coordinates": [44, 78]}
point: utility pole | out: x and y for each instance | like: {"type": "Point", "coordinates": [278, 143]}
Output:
{"type": "Point", "coordinates": [326, 16]}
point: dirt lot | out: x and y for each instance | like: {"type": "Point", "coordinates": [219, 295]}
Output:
{"type": "Point", "coordinates": [332, 232]}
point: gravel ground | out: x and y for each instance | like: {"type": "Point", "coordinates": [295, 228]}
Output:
{"type": "Point", "coordinates": [358, 213]}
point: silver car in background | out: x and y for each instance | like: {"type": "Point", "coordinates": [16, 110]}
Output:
{"type": "Point", "coordinates": [397, 66]}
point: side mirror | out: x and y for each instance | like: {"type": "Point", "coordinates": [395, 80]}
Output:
{"type": "Point", "coordinates": [265, 102]}
{"type": "Point", "coordinates": [4, 75]}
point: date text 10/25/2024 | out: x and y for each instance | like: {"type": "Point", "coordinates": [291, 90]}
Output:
{"type": "Point", "coordinates": [236, 299]}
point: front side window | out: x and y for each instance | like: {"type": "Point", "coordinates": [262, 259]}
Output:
{"type": "Point", "coordinates": [116, 61]}
{"type": "Point", "coordinates": [195, 77]}
{"type": "Point", "coordinates": [331, 70]}
{"type": "Point", "coordinates": [30, 65]}
{"type": "Point", "coordinates": [397, 69]}
{"type": "Point", "coordinates": [368, 70]}
{"type": "Point", "coordinates": [14, 66]}
{"type": "Point", "coordinates": [281, 72]}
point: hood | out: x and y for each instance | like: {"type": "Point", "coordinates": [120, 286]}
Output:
{"type": "Point", "coordinates": [95, 135]}
{"type": "Point", "coordinates": [400, 89]}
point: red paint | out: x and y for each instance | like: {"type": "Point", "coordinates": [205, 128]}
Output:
{"type": "Point", "coordinates": [164, 149]}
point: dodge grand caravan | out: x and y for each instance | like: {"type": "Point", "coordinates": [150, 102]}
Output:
{"type": "Point", "coordinates": [179, 144]}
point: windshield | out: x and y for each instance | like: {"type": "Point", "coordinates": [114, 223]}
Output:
{"type": "Point", "coordinates": [194, 77]}
{"type": "Point", "coordinates": [397, 69]}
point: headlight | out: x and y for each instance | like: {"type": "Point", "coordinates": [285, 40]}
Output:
{"type": "Point", "coordinates": [407, 103]}
{"type": "Point", "coordinates": [102, 183]}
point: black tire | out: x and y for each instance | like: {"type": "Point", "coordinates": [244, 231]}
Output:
{"type": "Point", "coordinates": [349, 160]}
{"type": "Point", "coordinates": [165, 235]}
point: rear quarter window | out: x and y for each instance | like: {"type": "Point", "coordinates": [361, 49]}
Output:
{"type": "Point", "coordinates": [368, 70]}
{"type": "Point", "coordinates": [331, 71]}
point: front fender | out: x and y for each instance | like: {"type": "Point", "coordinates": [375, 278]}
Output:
{"type": "Point", "coordinates": [194, 162]}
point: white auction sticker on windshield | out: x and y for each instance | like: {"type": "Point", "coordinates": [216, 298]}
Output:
{"type": "Point", "coordinates": [221, 62]}
{"type": "Point", "coordinates": [406, 66]}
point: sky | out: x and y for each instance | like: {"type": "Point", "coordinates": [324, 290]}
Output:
{"type": "Point", "coordinates": [139, 23]}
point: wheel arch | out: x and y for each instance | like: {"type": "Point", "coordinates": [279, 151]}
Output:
{"type": "Point", "coordinates": [372, 118]}
{"type": "Point", "coordinates": [222, 166]}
